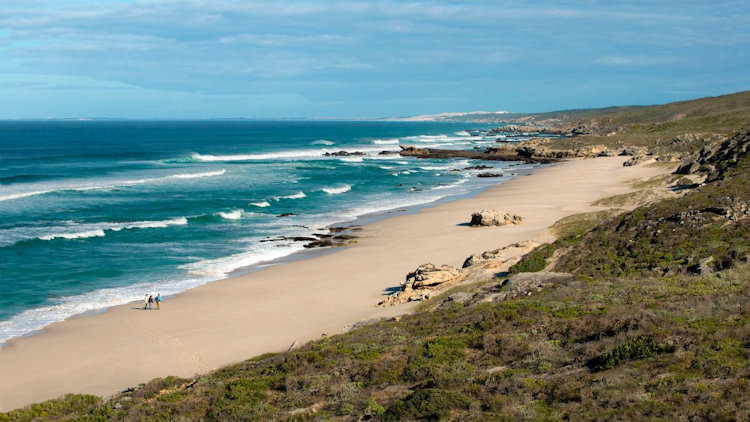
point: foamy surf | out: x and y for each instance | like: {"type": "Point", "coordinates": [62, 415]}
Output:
{"type": "Point", "coordinates": [220, 237]}
{"type": "Point", "coordinates": [298, 195]}
{"type": "Point", "coordinates": [231, 215]}
{"type": "Point", "coordinates": [297, 154]}
{"type": "Point", "coordinates": [256, 254]}
{"type": "Point", "coordinates": [85, 231]}
{"type": "Point", "coordinates": [78, 235]}
{"type": "Point", "coordinates": [338, 190]}
{"type": "Point", "coordinates": [36, 319]}
{"type": "Point", "coordinates": [83, 186]}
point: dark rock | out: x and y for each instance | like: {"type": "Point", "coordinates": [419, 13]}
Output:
{"type": "Point", "coordinates": [479, 167]}
{"type": "Point", "coordinates": [459, 297]}
{"type": "Point", "coordinates": [323, 243]}
{"type": "Point", "coordinates": [634, 161]}
{"type": "Point", "coordinates": [688, 168]}
{"type": "Point", "coordinates": [495, 153]}
{"type": "Point", "coordinates": [344, 154]}
{"type": "Point", "coordinates": [703, 266]}
{"type": "Point", "coordinates": [489, 175]}
{"type": "Point", "coordinates": [634, 151]}
{"type": "Point", "coordinates": [287, 214]}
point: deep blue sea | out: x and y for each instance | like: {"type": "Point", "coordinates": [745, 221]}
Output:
{"type": "Point", "coordinates": [99, 213]}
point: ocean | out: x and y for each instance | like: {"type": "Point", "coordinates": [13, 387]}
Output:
{"type": "Point", "coordinates": [98, 213]}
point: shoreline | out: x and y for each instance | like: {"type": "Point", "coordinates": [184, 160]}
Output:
{"type": "Point", "coordinates": [212, 325]}
{"type": "Point", "coordinates": [297, 255]}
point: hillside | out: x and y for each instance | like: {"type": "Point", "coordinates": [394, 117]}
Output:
{"type": "Point", "coordinates": [637, 312]}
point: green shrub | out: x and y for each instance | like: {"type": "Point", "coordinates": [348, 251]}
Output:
{"type": "Point", "coordinates": [533, 261]}
{"type": "Point", "coordinates": [429, 403]}
{"type": "Point", "coordinates": [636, 348]}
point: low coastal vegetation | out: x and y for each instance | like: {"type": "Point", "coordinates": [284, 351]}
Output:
{"type": "Point", "coordinates": [646, 317]}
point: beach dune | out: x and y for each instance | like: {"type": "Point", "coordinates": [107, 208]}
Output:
{"type": "Point", "coordinates": [267, 311]}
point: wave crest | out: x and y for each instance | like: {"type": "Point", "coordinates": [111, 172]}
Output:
{"type": "Point", "coordinates": [298, 195]}
{"type": "Point", "coordinates": [338, 190]}
{"type": "Point", "coordinates": [231, 215]}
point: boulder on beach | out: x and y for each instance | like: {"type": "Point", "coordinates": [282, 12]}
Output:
{"type": "Point", "coordinates": [422, 283]}
{"type": "Point", "coordinates": [494, 218]}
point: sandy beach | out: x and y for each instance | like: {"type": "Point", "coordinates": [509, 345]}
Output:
{"type": "Point", "coordinates": [267, 311]}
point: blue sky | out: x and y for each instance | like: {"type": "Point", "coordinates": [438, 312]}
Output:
{"type": "Point", "coordinates": [203, 59]}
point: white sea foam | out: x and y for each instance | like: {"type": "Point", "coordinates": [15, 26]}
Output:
{"type": "Point", "coordinates": [452, 185]}
{"type": "Point", "coordinates": [77, 235]}
{"type": "Point", "coordinates": [81, 231]}
{"type": "Point", "coordinates": [256, 254]}
{"type": "Point", "coordinates": [87, 186]}
{"type": "Point", "coordinates": [262, 204]}
{"type": "Point", "coordinates": [295, 154]}
{"type": "Point", "coordinates": [302, 154]}
{"type": "Point", "coordinates": [436, 167]}
{"type": "Point", "coordinates": [231, 215]}
{"type": "Point", "coordinates": [386, 141]}
{"type": "Point", "coordinates": [337, 190]}
{"type": "Point", "coordinates": [352, 159]}
{"type": "Point", "coordinates": [18, 195]}
{"type": "Point", "coordinates": [298, 195]}
{"type": "Point", "coordinates": [195, 175]}
{"type": "Point", "coordinates": [322, 142]}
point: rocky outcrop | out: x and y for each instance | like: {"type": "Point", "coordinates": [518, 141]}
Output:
{"type": "Point", "coordinates": [688, 168]}
{"type": "Point", "coordinates": [667, 158]}
{"type": "Point", "coordinates": [529, 129]}
{"type": "Point", "coordinates": [717, 157]}
{"type": "Point", "coordinates": [408, 150]}
{"type": "Point", "coordinates": [428, 280]}
{"type": "Point", "coordinates": [540, 148]}
{"type": "Point", "coordinates": [488, 174]}
{"type": "Point", "coordinates": [523, 284]}
{"type": "Point", "coordinates": [494, 218]}
{"type": "Point", "coordinates": [336, 236]}
{"type": "Point", "coordinates": [344, 154]}
{"type": "Point", "coordinates": [498, 257]}
{"type": "Point", "coordinates": [423, 282]}
{"type": "Point", "coordinates": [490, 154]}
{"type": "Point", "coordinates": [638, 159]}
{"type": "Point", "coordinates": [634, 151]}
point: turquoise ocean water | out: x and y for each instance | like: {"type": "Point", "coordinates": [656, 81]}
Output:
{"type": "Point", "coordinates": [99, 213]}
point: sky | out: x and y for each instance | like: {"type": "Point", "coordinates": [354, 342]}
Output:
{"type": "Point", "coordinates": [269, 59]}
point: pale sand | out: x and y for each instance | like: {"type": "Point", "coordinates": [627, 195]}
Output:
{"type": "Point", "coordinates": [266, 311]}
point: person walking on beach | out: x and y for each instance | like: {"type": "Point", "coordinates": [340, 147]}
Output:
{"type": "Point", "coordinates": [145, 303]}
{"type": "Point", "coordinates": [150, 301]}
{"type": "Point", "coordinates": [158, 301]}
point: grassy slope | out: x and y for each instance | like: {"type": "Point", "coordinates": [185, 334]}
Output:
{"type": "Point", "coordinates": [611, 341]}
{"type": "Point", "coordinates": [657, 126]}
